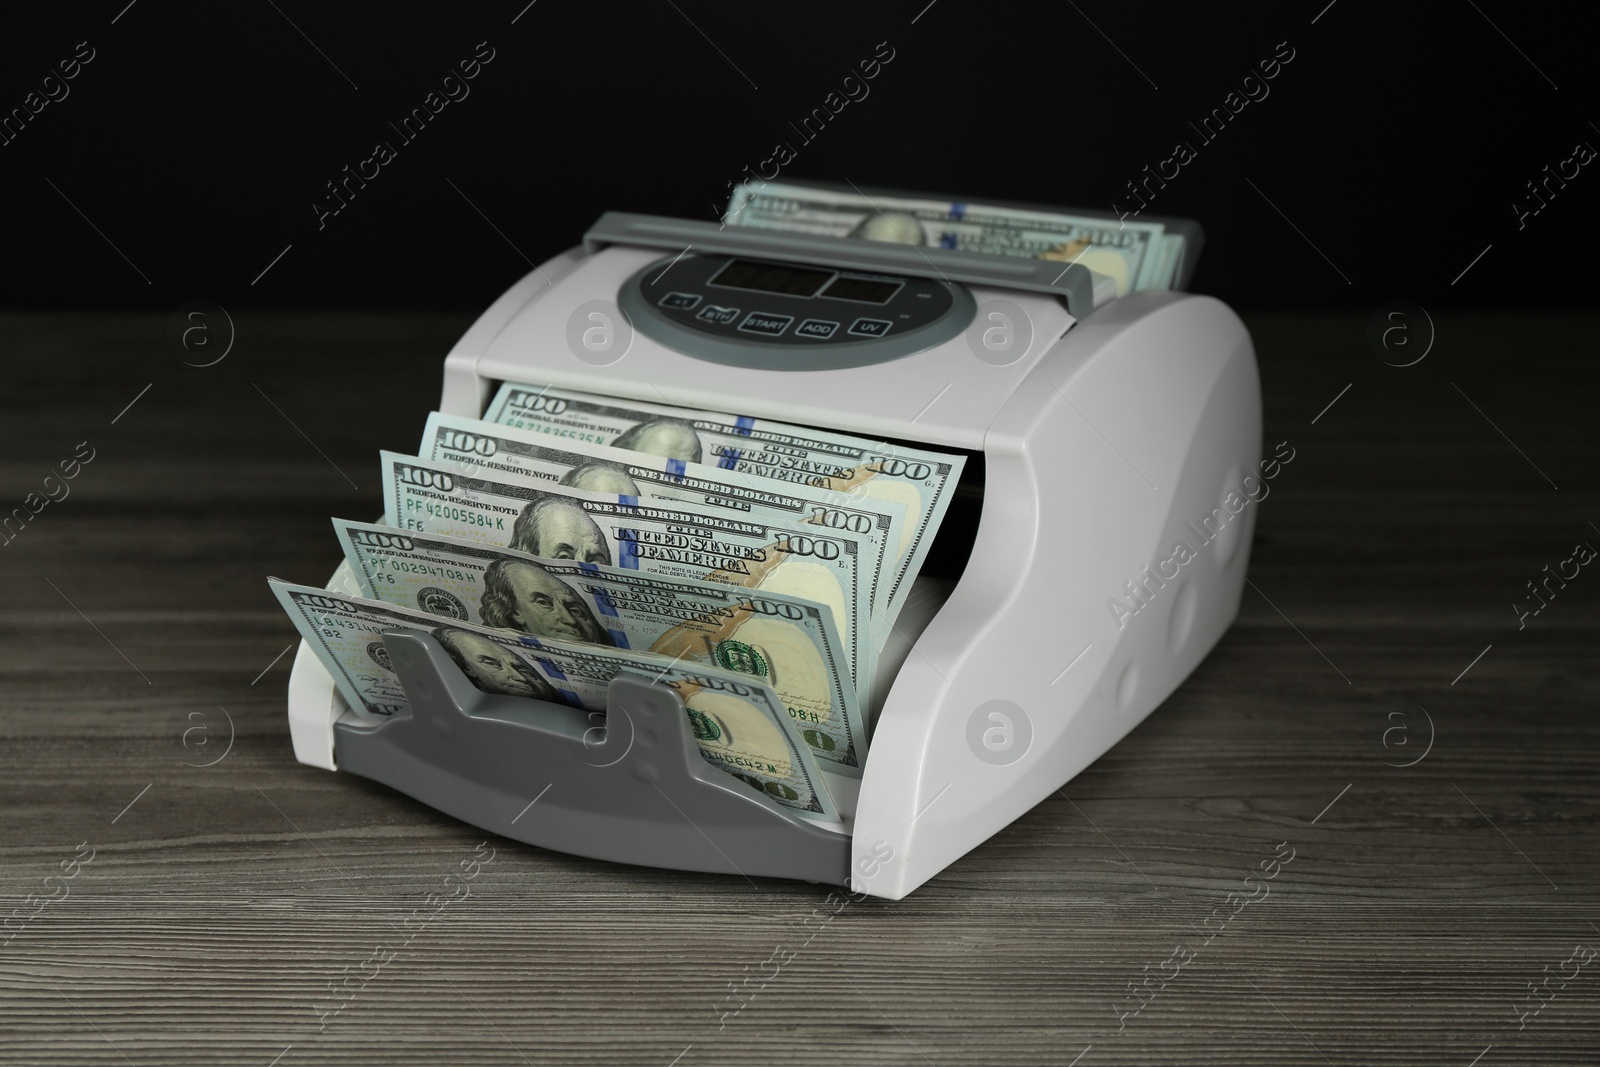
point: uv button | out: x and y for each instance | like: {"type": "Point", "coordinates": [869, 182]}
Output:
{"type": "Point", "coordinates": [870, 327]}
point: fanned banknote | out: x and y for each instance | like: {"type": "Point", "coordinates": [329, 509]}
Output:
{"type": "Point", "coordinates": [478, 447]}
{"type": "Point", "coordinates": [788, 643]}
{"type": "Point", "coordinates": [677, 539]}
{"type": "Point", "coordinates": [921, 480]}
{"type": "Point", "coordinates": [739, 724]}
{"type": "Point", "coordinates": [1136, 255]}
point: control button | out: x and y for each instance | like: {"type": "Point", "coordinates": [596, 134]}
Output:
{"type": "Point", "coordinates": [821, 329]}
{"type": "Point", "coordinates": [681, 301]}
{"type": "Point", "coordinates": [761, 322]}
{"type": "Point", "coordinates": [870, 327]}
{"type": "Point", "coordinates": [719, 316]}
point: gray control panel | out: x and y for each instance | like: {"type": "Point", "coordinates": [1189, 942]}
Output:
{"type": "Point", "coordinates": [777, 315]}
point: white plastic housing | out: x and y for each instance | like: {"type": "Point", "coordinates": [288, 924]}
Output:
{"type": "Point", "coordinates": [1099, 446]}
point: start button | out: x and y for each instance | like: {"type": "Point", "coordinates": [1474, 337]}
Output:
{"type": "Point", "coordinates": [763, 323]}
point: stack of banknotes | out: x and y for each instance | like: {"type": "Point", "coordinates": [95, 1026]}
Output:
{"type": "Point", "coordinates": [755, 568]}
{"type": "Point", "coordinates": [1134, 254]}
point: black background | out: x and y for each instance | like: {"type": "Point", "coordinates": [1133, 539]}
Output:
{"type": "Point", "coordinates": [200, 134]}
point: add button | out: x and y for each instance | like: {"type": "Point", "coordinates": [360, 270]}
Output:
{"type": "Point", "coordinates": [819, 329]}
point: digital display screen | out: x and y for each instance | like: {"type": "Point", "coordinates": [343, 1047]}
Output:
{"type": "Point", "coordinates": [771, 278]}
{"type": "Point", "coordinates": [863, 290]}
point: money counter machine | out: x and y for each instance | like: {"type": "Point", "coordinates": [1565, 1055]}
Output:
{"type": "Point", "coordinates": [1097, 428]}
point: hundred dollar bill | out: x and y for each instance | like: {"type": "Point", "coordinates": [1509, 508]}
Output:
{"type": "Point", "coordinates": [788, 643]}
{"type": "Point", "coordinates": [921, 480]}
{"type": "Point", "coordinates": [478, 447]}
{"type": "Point", "coordinates": [675, 539]}
{"type": "Point", "coordinates": [1136, 255]}
{"type": "Point", "coordinates": [739, 723]}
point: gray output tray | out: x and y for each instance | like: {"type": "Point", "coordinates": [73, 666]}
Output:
{"type": "Point", "coordinates": [635, 790]}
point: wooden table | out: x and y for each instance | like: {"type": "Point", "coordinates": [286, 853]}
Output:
{"type": "Point", "coordinates": [221, 891]}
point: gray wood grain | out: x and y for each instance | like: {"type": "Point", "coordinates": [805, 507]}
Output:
{"type": "Point", "coordinates": [221, 904]}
